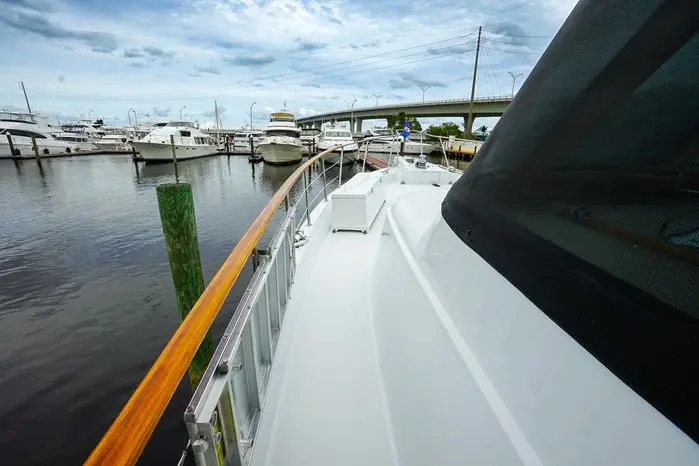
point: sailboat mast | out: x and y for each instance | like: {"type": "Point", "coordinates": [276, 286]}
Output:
{"type": "Point", "coordinates": [26, 99]}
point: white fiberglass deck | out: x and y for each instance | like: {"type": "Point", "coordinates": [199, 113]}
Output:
{"type": "Point", "coordinates": [403, 346]}
{"type": "Point", "coordinates": [330, 401]}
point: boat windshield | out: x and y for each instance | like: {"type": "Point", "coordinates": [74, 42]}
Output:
{"type": "Point", "coordinates": [282, 117]}
{"type": "Point", "coordinates": [180, 123]}
{"type": "Point", "coordinates": [338, 134]}
{"type": "Point", "coordinates": [282, 132]}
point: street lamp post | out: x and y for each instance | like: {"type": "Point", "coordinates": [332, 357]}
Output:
{"type": "Point", "coordinates": [514, 78]}
{"type": "Point", "coordinates": [253, 104]}
{"type": "Point", "coordinates": [89, 115]}
{"type": "Point", "coordinates": [424, 87]}
{"type": "Point", "coordinates": [352, 113]}
{"type": "Point", "coordinates": [377, 98]}
{"type": "Point", "coordinates": [182, 108]}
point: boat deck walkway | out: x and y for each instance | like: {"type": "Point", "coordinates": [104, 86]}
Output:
{"type": "Point", "coordinates": [330, 406]}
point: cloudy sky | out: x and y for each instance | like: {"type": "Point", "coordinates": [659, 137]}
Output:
{"type": "Point", "coordinates": [100, 58]}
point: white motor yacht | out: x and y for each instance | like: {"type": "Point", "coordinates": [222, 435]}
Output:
{"type": "Point", "coordinates": [80, 141]}
{"type": "Point", "coordinates": [189, 141]}
{"type": "Point", "coordinates": [113, 142]}
{"type": "Point", "coordinates": [334, 136]}
{"type": "Point", "coordinates": [50, 140]}
{"type": "Point", "coordinates": [282, 140]}
{"type": "Point", "coordinates": [391, 143]}
{"type": "Point", "coordinates": [240, 142]}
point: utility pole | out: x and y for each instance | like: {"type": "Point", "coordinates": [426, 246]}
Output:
{"type": "Point", "coordinates": [469, 125]}
{"type": "Point", "coordinates": [26, 99]}
{"type": "Point", "coordinates": [514, 78]}
{"type": "Point", "coordinates": [424, 87]}
{"type": "Point", "coordinates": [377, 98]}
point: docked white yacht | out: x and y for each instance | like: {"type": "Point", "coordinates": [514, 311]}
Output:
{"type": "Point", "coordinates": [50, 140]}
{"type": "Point", "coordinates": [334, 136]}
{"type": "Point", "coordinates": [392, 145]}
{"type": "Point", "coordinates": [240, 142]}
{"type": "Point", "coordinates": [113, 142]}
{"type": "Point", "coordinates": [282, 140]}
{"type": "Point", "coordinates": [189, 141]}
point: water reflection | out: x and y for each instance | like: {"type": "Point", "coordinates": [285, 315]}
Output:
{"type": "Point", "coordinates": [84, 273]}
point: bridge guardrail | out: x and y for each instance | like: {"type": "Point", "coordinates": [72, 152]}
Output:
{"type": "Point", "coordinates": [410, 104]}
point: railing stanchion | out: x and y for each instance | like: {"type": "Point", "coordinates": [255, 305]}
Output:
{"type": "Point", "coordinates": [325, 184]}
{"type": "Point", "coordinates": [342, 154]}
{"type": "Point", "coordinates": [286, 203]}
{"type": "Point", "coordinates": [366, 149]}
{"type": "Point", "coordinates": [305, 191]}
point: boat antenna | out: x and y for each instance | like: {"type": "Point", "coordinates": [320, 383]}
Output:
{"type": "Point", "coordinates": [26, 99]}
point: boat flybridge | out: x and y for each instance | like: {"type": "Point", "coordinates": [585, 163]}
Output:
{"type": "Point", "coordinates": [539, 309]}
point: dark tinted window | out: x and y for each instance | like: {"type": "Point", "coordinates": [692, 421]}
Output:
{"type": "Point", "coordinates": [28, 134]}
{"type": "Point", "coordinates": [586, 194]}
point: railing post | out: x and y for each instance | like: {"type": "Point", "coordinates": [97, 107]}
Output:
{"type": "Point", "coordinates": [12, 146]}
{"type": "Point", "coordinates": [366, 149]}
{"type": "Point", "coordinates": [176, 205]}
{"type": "Point", "coordinates": [342, 153]}
{"type": "Point", "coordinates": [325, 184]}
{"type": "Point", "coordinates": [174, 158]}
{"type": "Point", "coordinates": [305, 191]}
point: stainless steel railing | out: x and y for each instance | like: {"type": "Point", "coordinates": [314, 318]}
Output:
{"type": "Point", "coordinates": [223, 415]}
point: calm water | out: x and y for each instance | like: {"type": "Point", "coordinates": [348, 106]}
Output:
{"type": "Point", "coordinates": [86, 298]}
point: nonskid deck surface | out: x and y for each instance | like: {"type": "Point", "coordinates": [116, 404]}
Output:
{"type": "Point", "coordinates": [330, 403]}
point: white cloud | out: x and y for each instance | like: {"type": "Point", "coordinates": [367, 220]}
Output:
{"type": "Point", "coordinates": [241, 51]}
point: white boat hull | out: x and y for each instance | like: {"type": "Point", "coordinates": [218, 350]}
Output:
{"type": "Point", "coordinates": [279, 153]}
{"type": "Point", "coordinates": [23, 147]}
{"type": "Point", "coordinates": [411, 148]}
{"type": "Point", "coordinates": [349, 157]}
{"type": "Point", "coordinates": [112, 146]}
{"type": "Point", "coordinates": [159, 152]}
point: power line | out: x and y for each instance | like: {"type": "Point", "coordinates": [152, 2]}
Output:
{"type": "Point", "coordinates": [298, 80]}
{"type": "Point", "coordinates": [513, 51]}
{"type": "Point", "coordinates": [516, 45]}
{"type": "Point", "coordinates": [255, 82]}
{"type": "Point", "coordinates": [507, 34]}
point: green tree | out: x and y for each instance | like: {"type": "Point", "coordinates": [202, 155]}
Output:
{"type": "Point", "coordinates": [446, 129]}
{"type": "Point", "coordinates": [397, 122]}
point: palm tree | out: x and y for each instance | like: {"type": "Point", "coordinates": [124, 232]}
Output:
{"type": "Point", "coordinates": [483, 129]}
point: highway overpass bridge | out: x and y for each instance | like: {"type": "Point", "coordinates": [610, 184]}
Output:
{"type": "Point", "coordinates": [482, 107]}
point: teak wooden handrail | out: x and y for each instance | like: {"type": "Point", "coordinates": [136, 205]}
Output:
{"type": "Point", "coordinates": [126, 438]}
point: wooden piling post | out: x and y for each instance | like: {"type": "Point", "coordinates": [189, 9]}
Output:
{"type": "Point", "coordinates": [12, 146]}
{"type": "Point", "coordinates": [174, 158]}
{"type": "Point", "coordinates": [252, 146]}
{"type": "Point", "coordinates": [36, 150]}
{"type": "Point", "coordinates": [176, 206]}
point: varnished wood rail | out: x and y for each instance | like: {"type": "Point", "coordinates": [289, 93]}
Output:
{"type": "Point", "coordinates": [128, 435]}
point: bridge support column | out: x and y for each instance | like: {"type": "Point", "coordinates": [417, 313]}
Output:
{"type": "Point", "coordinates": [357, 125]}
{"type": "Point", "coordinates": [468, 129]}
{"type": "Point", "coordinates": [316, 124]}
